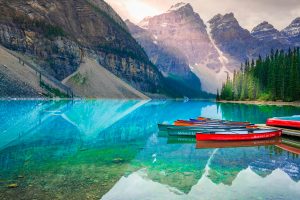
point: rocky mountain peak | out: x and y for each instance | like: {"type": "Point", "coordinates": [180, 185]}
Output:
{"type": "Point", "coordinates": [181, 6]}
{"type": "Point", "coordinates": [265, 31]}
{"type": "Point", "coordinates": [293, 29]}
{"type": "Point", "coordinates": [292, 32]}
{"type": "Point", "coordinates": [223, 21]}
{"type": "Point", "coordinates": [180, 14]}
{"type": "Point", "coordinates": [263, 26]}
{"type": "Point", "coordinates": [180, 26]}
{"type": "Point", "coordinates": [229, 17]}
{"type": "Point", "coordinates": [296, 22]}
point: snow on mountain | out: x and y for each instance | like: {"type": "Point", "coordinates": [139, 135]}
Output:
{"type": "Point", "coordinates": [169, 61]}
{"type": "Point", "coordinates": [181, 31]}
{"type": "Point", "coordinates": [265, 32]}
{"type": "Point", "coordinates": [178, 6]}
{"type": "Point", "coordinates": [292, 32]}
{"type": "Point", "coordinates": [293, 29]}
{"type": "Point", "coordinates": [231, 38]}
{"type": "Point", "coordinates": [212, 52]}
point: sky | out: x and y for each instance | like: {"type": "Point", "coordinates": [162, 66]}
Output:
{"type": "Point", "coordinates": [249, 13]}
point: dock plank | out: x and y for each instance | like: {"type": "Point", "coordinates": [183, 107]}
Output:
{"type": "Point", "coordinates": [285, 131]}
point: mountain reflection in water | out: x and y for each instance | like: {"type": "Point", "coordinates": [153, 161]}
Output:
{"type": "Point", "coordinates": [111, 149]}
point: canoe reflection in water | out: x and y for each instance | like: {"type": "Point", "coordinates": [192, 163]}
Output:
{"type": "Point", "coordinates": [232, 144]}
{"type": "Point", "coordinates": [289, 145]}
{"type": "Point", "coordinates": [282, 143]}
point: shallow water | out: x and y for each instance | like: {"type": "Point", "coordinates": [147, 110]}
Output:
{"type": "Point", "coordinates": [111, 149]}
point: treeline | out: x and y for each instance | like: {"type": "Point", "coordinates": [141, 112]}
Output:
{"type": "Point", "coordinates": [276, 77]}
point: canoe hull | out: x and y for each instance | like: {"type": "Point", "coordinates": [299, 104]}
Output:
{"type": "Point", "coordinates": [168, 127]}
{"type": "Point", "coordinates": [237, 137]}
{"type": "Point", "coordinates": [283, 123]}
{"type": "Point", "coordinates": [183, 133]}
{"type": "Point", "coordinates": [193, 132]}
{"type": "Point", "coordinates": [189, 123]}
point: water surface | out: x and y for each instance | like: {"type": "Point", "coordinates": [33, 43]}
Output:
{"type": "Point", "coordinates": [111, 149]}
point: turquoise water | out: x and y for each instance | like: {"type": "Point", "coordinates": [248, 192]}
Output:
{"type": "Point", "coordinates": [112, 149]}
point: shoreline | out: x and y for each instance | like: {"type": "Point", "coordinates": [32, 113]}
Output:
{"type": "Point", "coordinates": [274, 103]}
{"type": "Point", "coordinates": [78, 98]}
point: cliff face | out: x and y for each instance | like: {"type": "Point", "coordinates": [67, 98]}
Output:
{"type": "Point", "coordinates": [58, 34]}
{"type": "Point", "coordinates": [182, 29]}
{"type": "Point", "coordinates": [171, 63]}
{"type": "Point", "coordinates": [167, 60]}
{"type": "Point", "coordinates": [178, 42]}
{"type": "Point", "coordinates": [231, 37]}
{"type": "Point", "coordinates": [242, 45]}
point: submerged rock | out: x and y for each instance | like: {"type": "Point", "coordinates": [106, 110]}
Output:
{"type": "Point", "coordinates": [13, 185]}
{"type": "Point", "coordinates": [118, 160]}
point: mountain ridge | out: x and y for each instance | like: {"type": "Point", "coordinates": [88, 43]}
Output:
{"type": "Point", "coordinates": [182, 30]}
{"type": "Point", "coordinates": [173, 54]}
{"type": "Point", "coordinates": [226, 43]}
{"type": "Point", "coordinates": [57, 35]}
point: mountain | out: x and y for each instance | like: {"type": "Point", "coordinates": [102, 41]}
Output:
{"type": "Point", "coordinates": [231, 37]}
{"type": "Point", "coordinates": [265, 32]}
{"type": "Point", "coordinates": [64, 44]}
{"type": "Point", "coordinates": [270, 37]}
{"type": "Point", "coordinates": [242, 45]}
{"type": "Point", "coordinates": [167, 61]}
{"type": "Point", "coordinates": [175, 42]}
{"type": "Point", "coordinates": [181, 29]}
{"type": "Point", "coordinates": [170, 62]}
{"type": "Point", "coordinates": [292, 32]}
{"type": "Point", "coordinates": [57, 37]}
{"type": "Point", "coordinates": [212, 51]}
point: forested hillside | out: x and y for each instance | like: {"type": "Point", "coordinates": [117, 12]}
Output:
{"type": "Point", "coordinates": [276, 77]}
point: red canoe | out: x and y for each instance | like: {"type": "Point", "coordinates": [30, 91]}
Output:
{"type": "Point", "coordinates": [290, 122]}
{"type": "Point", "coordinates": [239, 135]}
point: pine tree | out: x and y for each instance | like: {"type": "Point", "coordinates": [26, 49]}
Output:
{"type": "Point", "coordinates": [218, 95]}
{"type": "Point", "coordinates": [276, 77]}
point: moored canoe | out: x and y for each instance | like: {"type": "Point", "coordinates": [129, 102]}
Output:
{"type": "Point", "coordinates": [165, 127]}
{"type": "Point", "coordinates": [190, 123]}
{"type": "Point", "coordinates": [289, 122]}
{"type": "Point", "coordinates": [193, 132]}
{"type": "Point", "coordinates": [209, 124]}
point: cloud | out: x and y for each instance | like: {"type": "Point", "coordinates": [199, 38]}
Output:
{"type": "Point", "coordinates": [280, 13]}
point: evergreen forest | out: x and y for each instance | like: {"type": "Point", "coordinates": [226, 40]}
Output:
{"type": "Point", "coordinates": [273, 78]}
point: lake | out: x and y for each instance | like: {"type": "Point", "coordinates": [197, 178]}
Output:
{"type": "Point", "coordinates": [111, 149]}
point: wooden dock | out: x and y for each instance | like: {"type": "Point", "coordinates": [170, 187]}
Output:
{"type": "Point", "coordinates": [285, 131]}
